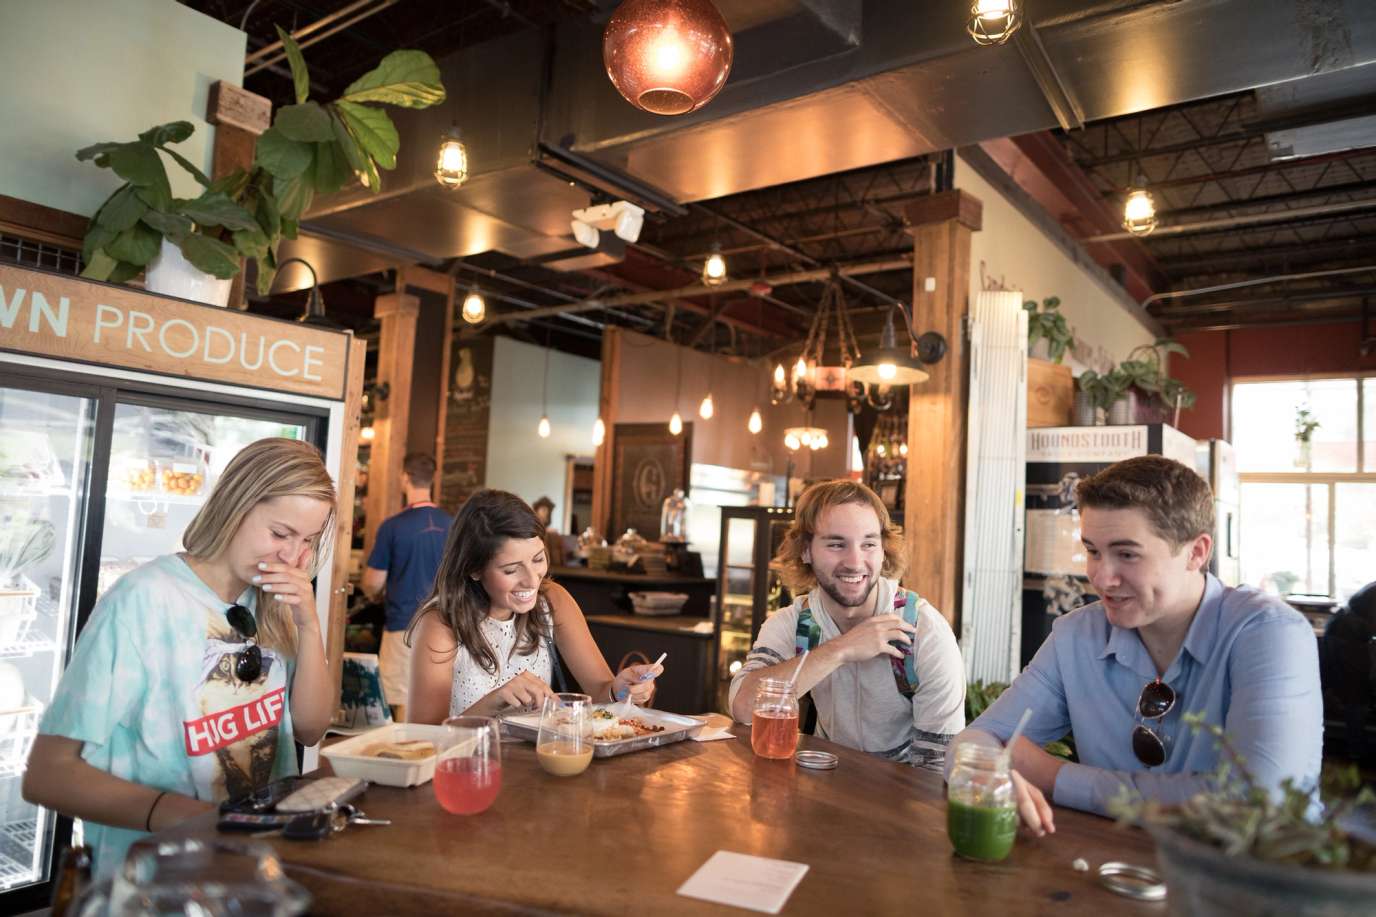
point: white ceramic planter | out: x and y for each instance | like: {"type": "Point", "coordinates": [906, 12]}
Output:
{"type": "Point", "coordinates": [170, 274]}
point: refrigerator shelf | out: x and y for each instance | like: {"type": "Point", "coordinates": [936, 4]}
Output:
{"type": "Point", "coordinates": [11, 492]}
{"type": "Point", "coordinates": [31, 640]}
{"type": "Point", "coordinates": [154, 496]}
{"type": "Point", "coordinates": [17, 841]}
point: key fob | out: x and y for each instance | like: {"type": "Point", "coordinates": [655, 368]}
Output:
{"type": "Point", "coordinates": [311, 827]}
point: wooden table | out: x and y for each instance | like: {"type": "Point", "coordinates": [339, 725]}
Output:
{"type": "Point", "coordinates": [624, 835]}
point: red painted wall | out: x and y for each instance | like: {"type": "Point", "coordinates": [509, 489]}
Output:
{"type": "Point", "coordinates": [1284, 350]}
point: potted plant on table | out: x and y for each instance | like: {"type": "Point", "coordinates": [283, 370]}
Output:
{"type": "Point", "coordinates": [1242, 850]}
{"type": "Point", "coordinates": [311, 148]}
{"type": "Point", "coordinates": [1047, 326]}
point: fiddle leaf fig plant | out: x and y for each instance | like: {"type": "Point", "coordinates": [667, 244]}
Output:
{"type": "Point", "coordinates": [311, 148]}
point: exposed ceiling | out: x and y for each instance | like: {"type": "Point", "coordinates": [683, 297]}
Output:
{"type": "Point", "coordinates": [1230, 209]}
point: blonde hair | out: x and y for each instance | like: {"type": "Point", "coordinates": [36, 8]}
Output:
{"type": "Point", "coordinates": [264, 470]}
{"type": "Point", "coordinates": [797, 574]}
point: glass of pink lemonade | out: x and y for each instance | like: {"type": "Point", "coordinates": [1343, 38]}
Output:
{"type": "Point", "coordinates": [468, 774]}
{"type": "Point", "coordinates": [564, 745]}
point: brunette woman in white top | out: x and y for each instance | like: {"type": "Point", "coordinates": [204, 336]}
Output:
{"type": "Point", "coordinates": [485, 640]}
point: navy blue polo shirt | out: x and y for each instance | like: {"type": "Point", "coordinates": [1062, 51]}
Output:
{"type": "Point", "coordinates": [409, 547]}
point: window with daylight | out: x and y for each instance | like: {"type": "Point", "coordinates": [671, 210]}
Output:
{"type": "Point", "coordinates": [1306, 453]}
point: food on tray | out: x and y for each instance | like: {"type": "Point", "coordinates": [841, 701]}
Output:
{"type": "Point", "coordinates": [414, 750]}
{"type": "Point", "coordinates": [607, 726]}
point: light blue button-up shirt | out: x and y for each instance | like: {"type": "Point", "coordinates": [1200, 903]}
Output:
{"type": "Point", "coordinates": [1249, 662]}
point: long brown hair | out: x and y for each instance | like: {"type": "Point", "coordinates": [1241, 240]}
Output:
{"type": "Point", "coordinates": [264, 470]}
{"type": "Point", "coordinates": [487, 521]}
{"type": "Point", "coordinates": [796, 573]}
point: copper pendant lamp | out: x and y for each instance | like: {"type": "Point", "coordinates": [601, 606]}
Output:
{"type": "Point", "coordinates": [667, 57]}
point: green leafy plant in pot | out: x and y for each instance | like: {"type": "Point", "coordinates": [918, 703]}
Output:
{"type": "Point", "coordinates": [1048, 324]}
{"type": "Point", "coordinates": [1102, 389]}
{"type": "Point", "coordinates": [1240, 849]}
{"type": "Point", "coordinates": [1145, 372]}
{"type": "Point", "coordinates": [311, 148]}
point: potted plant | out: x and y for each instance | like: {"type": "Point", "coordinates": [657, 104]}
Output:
{"type": "Point", "coordinates": [24, 541]}
{"type": "Point", "coordinates": [311, 148]}
{"type": "Point", "coordinates": [1157, 394]}
{"type": "Point", "coordinates": [1305, 425]}
{"type": "Point", "coordinates": [1242, 850]}
{"type": "Point", "coordinates": [1101, 390]}
{"type": "Point", "coordinates": [1047, 325]}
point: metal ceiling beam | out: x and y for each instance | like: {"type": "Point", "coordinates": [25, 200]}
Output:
{"type": "Point", "coordinates": [1254, 219]}
{"type": "Point", "coordinates": [698, 289]}
{"type": "Point", "coordinates": [1058, 96]}
{"type": "Point", "coordinates": [1309, 253]}
{"type": "Point", "coordinates": [1266, 200]}
{"type": "Point", "coordinates": [1279, 165]}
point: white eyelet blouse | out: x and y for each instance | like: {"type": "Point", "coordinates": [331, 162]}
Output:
{"type": "Point", "coordinates": [472, 682]}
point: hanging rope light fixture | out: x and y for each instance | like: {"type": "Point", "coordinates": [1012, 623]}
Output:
{"type": "Point", "coordinates": [1139, 211]}
{"type": "Point", "coordinates": [667, 57]}
{"type": "Point", "coordinates": [993, 22]}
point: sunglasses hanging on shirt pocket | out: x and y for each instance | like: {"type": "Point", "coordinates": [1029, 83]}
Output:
{"type": "Point", "coordinates": [248, 662]}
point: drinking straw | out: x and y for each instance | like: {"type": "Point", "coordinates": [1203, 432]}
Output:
{"type": "Point", "coordinates": [626, 705]}
{"type": "Point", "coordinates": [1017, 734]}
{"type": "Point", "coordinates": [794, 680]}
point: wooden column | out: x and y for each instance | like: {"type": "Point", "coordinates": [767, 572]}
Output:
{"type": "Point", "coordinates": [344, 518]}
{"type": "Point", "coordinates": [396, 346]}
{"type": "Point", "coordinates": [239, 117]}
{"type": "Point", "coordinates": [934, 520]}
{"type": "Point", "coordinates": [607, 406]}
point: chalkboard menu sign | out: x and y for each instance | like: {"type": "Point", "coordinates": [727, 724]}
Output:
{"type": "Point", "coordinates": [466, 420]}
{"type": "Point", "coordinates": [648, 462]}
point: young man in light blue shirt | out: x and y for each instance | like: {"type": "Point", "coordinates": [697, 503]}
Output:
{"type": "Point", "coordinates": [1165, 638]}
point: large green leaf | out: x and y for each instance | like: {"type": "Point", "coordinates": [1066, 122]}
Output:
{"type": "Point", "coordinates": [281, 156]}
{"type": "Point", "coordinates": [137, 245]}
{"type": "Point", "coordinates": [266, 273]}
{"type": "Point", "coordinates": [98, 265]}
{"type": "Point", "coordinates": [331, 168]}
{"type": "Point", "coordinates": [124, 271]}
{"type": "Point", "coordinates": [138, 164]}
{"type": "Point", "coordinates": [172, 225]}
{"type": "Point", "coordinates": [352, 151]}
{"type": "Point", "coordinates": [290, 228]}
{"type": "Point", "coordinates": [293, 196]}
{"type": "Point", "coordinates": [300, 76]}
{"type": "Point", "coordinates": [307, 122]}
{"type": "Point", "coordinates": [406, 78]}
{"type": "Point", "coordinates": [231, 185]}
{"type": "Point", "coordinates": [251, 243]}
{"type": "Point", "coordinates": [374, 132]}
{"type": "Point", "coordinates": [186, 164]}
{"type": "Point", "coordinates": [172, 132]}
{"type": "Point", "coordinates": [156, 197]}
{"type": "Point", "coordinates": [211, 255]}
{"type": "Point", "coordinates": [99, 149]}
{"type": "Point", "coordinates": [122, 210]}
{"type": "Point", "coordinates": [269, 218]}
{"type": "Point", "coordinates": [97, 237]}
{"type": "Point", "coordinates": [214, 209]}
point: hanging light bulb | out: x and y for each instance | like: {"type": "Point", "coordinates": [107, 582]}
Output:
{"type": "Point", "coordinates": [474, 307]}
{"type": "Point", "coordinates": [676, 424]}
{"type": "Point", "coordinates": [367, 434]}
{"type": "Point", "coordinates": [543, 428]}
{"type": "Point", "coordinates": [667, 57]}
{"type": "Point", "coordinates": [792, 442]}
{"type": "Point", "coordinates": [779, 377]}
{"type": "Point", "coordinates": [756, 423]}
{"type": "Point", "coordinates": [805, 437]}
{"type": "Point", "coordinates": [1139, 212]}
{"type": "Point", "coordinates": [821, 442]}
{"type": "Point", "coordinates": [799, 370]}
{"type": "Point", "coordinates": [902, 448]}
{"type": "Point", "coordinates": [714, 268]}
{"type": "Point", "coordinates": [993, 22]}
{"type": "Point", "coordinates": [706, 409]}
{"type": "Point", "coordinates": [451, 164]}
{"type": "Point", "coordinates": [599, 432]}
{"type": "Point", "coordinates": [880, 450]}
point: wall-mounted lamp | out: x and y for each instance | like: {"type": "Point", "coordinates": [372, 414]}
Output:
{"type": "Point", "coordinates": [892, 364]}
{"type": "Point", "coordinates": [315, 303]}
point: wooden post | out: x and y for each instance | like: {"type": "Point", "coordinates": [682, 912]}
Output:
{"type": "Point", "coordinates": [396, 348]}
{"type": "Point", "coordinates": [607, 406]}
{"type": "Point", "coordinates": [239, 117]}
{"type": "Point", "coordinates": [344, 518]}
{"type": "Point", "coordinates": [446, 368]}
{"type": "Point", "coordinates": [934, 521]}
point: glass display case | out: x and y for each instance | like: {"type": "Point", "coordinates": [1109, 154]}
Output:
{"type": "Point", "coordinates": [748, 588]}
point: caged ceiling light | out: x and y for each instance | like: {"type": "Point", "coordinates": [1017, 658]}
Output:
{"type": "Point", "coordinates": [993, 22]}
{"type": "Point", "coordinates": [474, 307]}
{"type": "Point", "coordinates": [667, 57]}
{"type": "Point", "coordinates": [714, 268]}
{"type": "Point", "coordinates": [451, 163]}
{"type": "Point", "coordinates": [1139, 211]}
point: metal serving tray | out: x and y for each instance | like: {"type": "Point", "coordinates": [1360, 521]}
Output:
{"type": "Point", "coordinates": [525, 724]}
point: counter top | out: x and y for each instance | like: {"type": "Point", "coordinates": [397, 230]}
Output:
{"type": "Point", "coordinates": [632, 579]}
{"type": "Point", "coordinates": [674, 624]}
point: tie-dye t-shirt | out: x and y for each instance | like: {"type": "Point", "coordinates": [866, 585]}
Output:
{"type": "Point", "coordinates": [151, 694]}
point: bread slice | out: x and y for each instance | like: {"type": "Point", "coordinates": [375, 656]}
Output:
{"type": "Point", "coordinates": [415, 750]}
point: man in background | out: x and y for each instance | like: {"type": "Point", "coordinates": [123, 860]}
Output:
{"type": "Point", "coordinates": [403, 562]}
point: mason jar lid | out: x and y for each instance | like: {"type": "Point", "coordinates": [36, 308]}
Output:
{"type": "Point", "coordinates": [1136, 882]}
{"type": "Point", "coordinates": [817, 760]}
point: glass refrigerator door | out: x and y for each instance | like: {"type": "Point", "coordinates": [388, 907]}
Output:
{"type": "Point", "coordinates": [736, 588]}
{"type": "Point", "coordinates": [45, 444]}
{"type": "Point", "coordinates": [163, 463]}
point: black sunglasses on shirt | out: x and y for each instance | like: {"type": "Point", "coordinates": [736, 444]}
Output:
{"type": "Point", "coordinates": [248, 662]}
{"type": "Point", "coordinates": [1156, 700]}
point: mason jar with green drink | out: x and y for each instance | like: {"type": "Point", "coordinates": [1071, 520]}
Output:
{"type": "Point", "coordinates": [981, 809]}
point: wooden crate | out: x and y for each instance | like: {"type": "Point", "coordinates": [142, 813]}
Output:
{"type": "Point", "coordinates": [1050, 394]}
